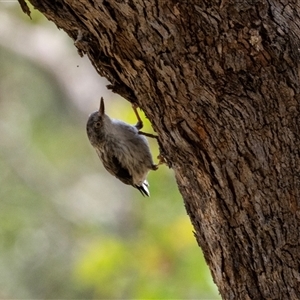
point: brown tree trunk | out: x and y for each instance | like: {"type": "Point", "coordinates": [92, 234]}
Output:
{"type": "Point", "coordinates": [219, 80]}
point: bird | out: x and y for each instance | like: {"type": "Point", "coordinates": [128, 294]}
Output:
{"type": "Point", "coordinates": [122, 148]}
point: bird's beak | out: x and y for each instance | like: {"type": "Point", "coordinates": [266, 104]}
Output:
{"type": "Point", "coordinates": [101, 108]}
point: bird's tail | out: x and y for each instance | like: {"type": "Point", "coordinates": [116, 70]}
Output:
{"type": "Point", "coordinates": [144, 188]}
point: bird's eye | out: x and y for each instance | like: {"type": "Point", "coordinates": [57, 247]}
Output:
{"type": "Point", "coordinates": [97, 124]}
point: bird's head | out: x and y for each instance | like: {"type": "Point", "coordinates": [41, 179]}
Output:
{"type": "Point", "coordinates": [95, 125]}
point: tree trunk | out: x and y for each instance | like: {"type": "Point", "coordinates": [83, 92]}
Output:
{"type": "Point", "coordinates": [219, 80]}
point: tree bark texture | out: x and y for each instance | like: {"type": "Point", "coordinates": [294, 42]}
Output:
{"type": "Point", "coordinates": [219, 80]}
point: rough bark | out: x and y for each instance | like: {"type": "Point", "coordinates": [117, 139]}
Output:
{"type": "Point", "coordinates": [219, 80]}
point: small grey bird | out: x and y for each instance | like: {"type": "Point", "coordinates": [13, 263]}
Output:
{"type": "Point", "coordinates": [122, 148]}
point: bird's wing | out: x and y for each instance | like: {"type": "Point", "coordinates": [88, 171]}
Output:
{"type": "Point", "coordinates": [114, 167]}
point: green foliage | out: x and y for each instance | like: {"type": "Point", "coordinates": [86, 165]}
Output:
{"type": "Point", "coordinates": [68, 229]}
{"type": "Point", "coordinates": [163, 264]}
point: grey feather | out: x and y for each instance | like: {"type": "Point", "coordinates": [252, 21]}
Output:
{"type": "Point", "coordinates": [123, 151]}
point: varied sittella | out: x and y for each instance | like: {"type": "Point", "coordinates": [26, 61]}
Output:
{"type": "Point", "coordinates": [122, 148]}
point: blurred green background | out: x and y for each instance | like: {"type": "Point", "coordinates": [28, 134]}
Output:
{"type": "Point", "coordinates": [68, 229]}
